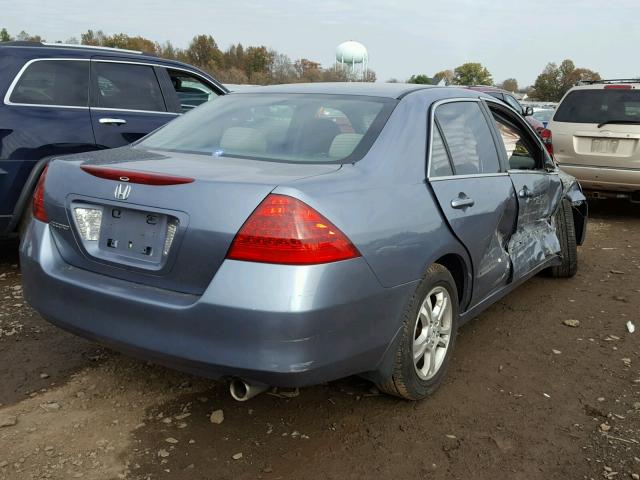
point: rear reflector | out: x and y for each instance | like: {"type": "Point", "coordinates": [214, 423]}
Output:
{"type": "Point", "coordinates": [39, 211]}
{"type": "Point", "coordinates": [144, 178]}
{"type": "Point", "coordinates": [285, 230]}
{"type": "Point", "coordinates": [618, 87]}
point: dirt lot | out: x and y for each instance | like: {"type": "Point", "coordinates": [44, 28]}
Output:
{"type": "Point", "coordinates": [527, 397]}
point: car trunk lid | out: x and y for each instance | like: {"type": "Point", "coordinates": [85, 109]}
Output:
{"type": "Point", "coordinates": [151, 229]}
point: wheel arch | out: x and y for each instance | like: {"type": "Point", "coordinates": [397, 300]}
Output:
{"type": "Point", "coordinates": [26, 193]}
{"type": "Point", "coordinates": [457, 267]}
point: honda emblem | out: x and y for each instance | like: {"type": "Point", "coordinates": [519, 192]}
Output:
{"type": "Point", "coordinates": [122, 191]}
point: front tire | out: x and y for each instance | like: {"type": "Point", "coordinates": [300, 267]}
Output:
{"type": "Point", "coordinates": [566, 232]}
{"type": "Point", "coordinates": [429, 332]}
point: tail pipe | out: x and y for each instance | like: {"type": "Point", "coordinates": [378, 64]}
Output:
{"type": "Point", "coordinates": [241, 390]}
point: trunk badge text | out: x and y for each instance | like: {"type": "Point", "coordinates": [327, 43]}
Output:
{"type": "Point", "coordinates": [122, 191]}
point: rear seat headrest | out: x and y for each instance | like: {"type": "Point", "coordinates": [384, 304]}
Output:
{"type": "Point", "coordinates": [243, 140]}
{"type": "Point", "coordinates": [344, 144]}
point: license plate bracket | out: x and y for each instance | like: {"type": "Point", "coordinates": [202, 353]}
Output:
{"type": "Point", "coordinates": [133, 234]}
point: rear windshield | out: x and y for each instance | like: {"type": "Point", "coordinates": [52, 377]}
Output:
{"type": "Point", "coordinates": [599, 105]}
{"type": "Point", "coordinates": [278, 127]}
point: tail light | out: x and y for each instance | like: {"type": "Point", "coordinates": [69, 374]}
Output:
{"type": "Point", "coordinates": [39, 211]}
{"type": "Point", "coordinates": [547, 138]}
{"type": "Point", "coordinates": [285, 230]}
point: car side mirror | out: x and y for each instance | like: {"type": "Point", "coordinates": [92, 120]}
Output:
{"type": "Point", "coordinates": [527, 111]}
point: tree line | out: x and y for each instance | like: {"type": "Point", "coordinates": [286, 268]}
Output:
{"type": "Point", "coordinates": [262, 65]}
{"type": "Point", "coordinates": [550, 86]}
{"type": "Point", "coordinates": [258, 65]}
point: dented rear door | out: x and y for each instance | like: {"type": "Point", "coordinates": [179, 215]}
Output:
{"type": "Point", "coordinates": [475, 195]}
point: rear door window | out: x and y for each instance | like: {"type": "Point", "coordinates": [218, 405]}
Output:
{"type": "Point", "coordinates": [600, 105]}
{"type": "Point", "coordinates": [53, 82]}
{"type": "Point", "coordinates": [191, 91]}
{"type": "Point", "coordinates": [125, 86]}
{"type": "Point", "coordinates": [468, 137]}
{"type": "Point", "coordinates": [440, 165]}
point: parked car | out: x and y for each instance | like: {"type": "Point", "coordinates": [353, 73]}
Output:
{"type": "Point", "coordinates": [60, 99]}
{"type": "Point", "coordinates": [596, 137]}
{"type": "Point", "coordinates": [543, 115]}
{"type": "Point", "coordinates": [509, 99]}
{"type": "Point", "coordinates": [260, 239]}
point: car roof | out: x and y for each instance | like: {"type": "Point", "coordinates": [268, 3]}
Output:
{"type": "Point", "coordinates": [36, 49]}
{"type": "Point", "coordinates": [386, 90]}
{"type": "Point", "coordinates": [485, 88]}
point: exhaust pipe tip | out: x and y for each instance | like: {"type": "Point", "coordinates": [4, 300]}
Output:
{"type": "Point", "coordinates": [241, 390]}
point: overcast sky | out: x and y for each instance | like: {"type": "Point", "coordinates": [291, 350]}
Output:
{"type": "Point", "coordinates": [511, 38]}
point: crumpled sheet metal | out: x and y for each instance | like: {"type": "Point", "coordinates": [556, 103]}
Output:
{"type": "Point", "coordinates": [571, 189]}
{"type": "Point", "coordinates": [531, 245]}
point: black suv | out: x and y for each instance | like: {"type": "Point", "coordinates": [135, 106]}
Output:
{"type": "Point", "coordinates": [59, 99]}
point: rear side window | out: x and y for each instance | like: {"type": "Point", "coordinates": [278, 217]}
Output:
{"type": "Point", "coordinates": [190, 90]}
{"type": "Point", "coordinates": [600, 105]}
{"type": "Point", "coordinates": [468, 137]}
{"type": "Point", "coordinates": [53, 82]}
{"type": "Point", "coordinates": [127, 87]}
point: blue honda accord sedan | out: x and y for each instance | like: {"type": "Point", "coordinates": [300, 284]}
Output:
{"type": "Point", "coordinates": [296, 234]}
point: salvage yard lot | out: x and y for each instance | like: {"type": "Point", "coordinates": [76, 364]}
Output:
{"type": "Point", "coordinates": [527, 396]}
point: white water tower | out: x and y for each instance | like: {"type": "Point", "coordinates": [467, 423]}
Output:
{"type": "Point", "coordinates": [354, 57]}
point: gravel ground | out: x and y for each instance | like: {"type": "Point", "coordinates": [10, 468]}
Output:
{"type": "Point", "coordinates": [527, 397]}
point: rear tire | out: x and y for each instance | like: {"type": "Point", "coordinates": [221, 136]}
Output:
{"type": "Point", "coordinates": [429, 333]}
{"type": "Point", "coordinates": [568, 246]}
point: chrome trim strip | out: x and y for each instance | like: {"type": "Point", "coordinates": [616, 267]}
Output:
{"type": "Point", "coordinates": [432, 115]}
{"type": "Point", "coordinates": [26, 65]}
{"type": "Point", "coordinates": [472, 175]}
{"type": "Point", "coordinates": [169, 67]}
{"type": "Point", "coordinates": [105, 109]}
{"type": "Point", "coordinates": [539, 171]}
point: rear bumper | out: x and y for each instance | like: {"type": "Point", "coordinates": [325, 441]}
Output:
{"type": "Point", "coordinates": [605, 179]}
{"type": "Point", "coordinates": [271, 324]}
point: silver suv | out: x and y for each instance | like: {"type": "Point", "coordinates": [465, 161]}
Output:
{"type": "Point", "coordinates": [596, 137]}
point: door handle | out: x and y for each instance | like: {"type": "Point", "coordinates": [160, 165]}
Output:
{"type": "Point", "coordinates": [525, 193]}
{"type": "Point", "coordinates": [112, 121]}
{"type": "Point", "coordinates": [462, 201]}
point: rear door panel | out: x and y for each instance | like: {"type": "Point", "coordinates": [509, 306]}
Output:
{"type": "Point", "coordinates": [478, 200]}
{"type": "Point", "coordinates": [119, 124]}
{"type": "Point", "coordinates": [484, 228]}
